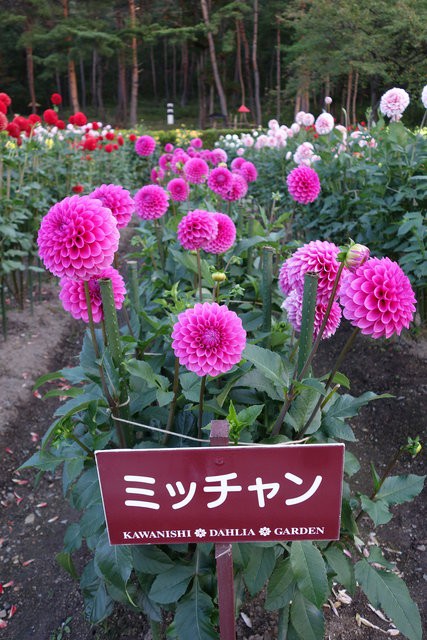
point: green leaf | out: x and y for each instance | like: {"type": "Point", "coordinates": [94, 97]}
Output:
{"type": "Point", "coordinates": [150, 559]}
{"type": "Point", "coordinates": [269, 363]}
{"type": "Point", "coordinates": [388, 591]}
{"type": "Point", "coordinates": [72, 538]}
{"type": "Point", "coordinates": [376, 509]}
{"type": "Point", "coordinates": [351, 464]}
{"type": "Point", "coordinates": [306, 619]}
{"type": "Point", "coordinates": [98, 604]}
{"type": "Point", "coordinates": [92, 520]}
{"type": "Point", "coordinates": [309, 569]}
{"type": "Point", "coordinates": [193, 616]}
{"type": "Point", "coordinates": [281, 586]}
{"type": "Point", "coordinates": [114, 562]}
{"type": "Point", "coordinates": [259, 568]}
{"type": "Point", "coordinates": [398, 489]}
{"type": "Point", "coordinates": [86, 490]}
{"type": "Point", "coordinates": [71, 470]}
{"type": "Point", "coordinates": [170, 585]}
{"type": "Point", "coordinates": [65, 561]}
{"type": "Point", "coordinates": [301, 410]}
{"type": "Point", "coordinates": [342, 567]}
{"type": "Point", "coordinates": [376, 555]}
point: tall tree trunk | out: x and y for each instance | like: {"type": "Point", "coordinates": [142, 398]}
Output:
{"type": "Point", "coordinates": [93, 79]}
{"type": "Point", "coordinates": [348, 101]}
{"type": "Point", "coordinates": [278, 71]}
{"type": "Point", "coordinates": [122, 102]}
{"type": "Point", "coordinates": [218, 83]}
{"type": "Point", "coordinates": [239, 63]}
{"type": "Point", "coordinates": [174, 72]}
{"type": "Point", "coordinates": [135, 71]}
{"type": "Point", "coordinates": [201, 90]}
{"type": "Point", "coordinates": [82, 82]}
{"type": "Point", "coordinates": [247, 65]}
{"type": "Point", "coordinates": [72, 76]}
{"type": "Point", "coordinates": [258, 114]}
{"type": "Point", "coordinates": [153, 72]}
{"type": "Point", "coordinates": [165, 68]}
{"type": "Point", "coordinates": [30, 76]}
{"type": "Point", "coordinates": [356, 86]}
{"type": "Point", "coordinates": [184, 73]}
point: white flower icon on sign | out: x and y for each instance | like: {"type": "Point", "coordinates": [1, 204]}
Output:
{"type": "Point", "coordinates": [264, 531]}
{"type": "Point", "coordinates": [200, 533]}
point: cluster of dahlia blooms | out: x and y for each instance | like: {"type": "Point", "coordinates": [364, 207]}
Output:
{"type": "Point", "coordinates": [77, 240]}
{"type": "Point", "coordinates": [208, 339]}
{"type": "Point", "coordinates": [214, 232]}
{"type": "Point", "coordinates": [374, 294]}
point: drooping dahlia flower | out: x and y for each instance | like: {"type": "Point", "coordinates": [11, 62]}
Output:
{"type": "Point", "coordinates": [118, 200]}
{"type": "Point", "coordinates": [145, 146]}
{"type": "Point", "coordinates": [238, 188]}
{"type": "Point", "coordinates": [208, 339]}
{"type": "Point", "coordinates": [73, 297]}
{"type": "Point", "coordinates": [78, 238]}
{"type": "Point", "coordinates": [225, 236]}
{"type": "Point", "coordinates": [179, 189]}
{"type": "Point", "coordinates": [293, 307]}
{"type": "Point", "coordinates": [151, 202]}
{"type": "Point", "coordinates": [196, 170]}
{"type": "Point", "coordinates": [220, 180]}
{"type": "Point", "coordinates": [394, 102]}
{"type": "Point", "coordinates": [303, 184]}
{"type": "Point", "coordinates": [324, 124]}
{"type": "Point", "coordinates": [197, 229]}
{"type": "Point", "coordinates": [317, 256]}
{"type": "Point", "coordinates": [378, 298]}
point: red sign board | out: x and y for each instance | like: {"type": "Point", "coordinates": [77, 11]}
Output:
{"type": "Point", "coordinates": [222, 494]}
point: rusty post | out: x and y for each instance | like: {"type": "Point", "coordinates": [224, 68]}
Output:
{"type": "Point", "coordinates": [223, 555]}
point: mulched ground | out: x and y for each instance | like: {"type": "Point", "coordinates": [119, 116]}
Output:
{"type": "Point", "coordinates": [38, 597]}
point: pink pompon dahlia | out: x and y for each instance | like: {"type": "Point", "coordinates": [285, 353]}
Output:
{"type": "Point", "coordinates": [118, 200]}
{"type": "Point", "coordinates": [145, 146]}
{"type": "Point", "coordinates": [208, 339]}
{"type": "Point", "coordinates": [394, 102]}
{"type": "Point", "coordinates": [151, 202]}
{"type": "Point", "coordinates": [197, 143]}
{"type": "Point", "coordinates": [219, 155]}
{"type": "Point", "coordinates": [78, 238]}
{"type": "Point", "coordinates": [318, 256]}
{"type": "Point", "coordinates": [225, 237]}
{"type": "Point", "coordinates": [378, 298]}
{"type": "Point", "coordinates": [196, 170]}
{"type": "Point", "coordinates": [197, 229]}
{"type": "Point", "coordinates": [248, 171]}
{"type": "Point", "coordinates": [303, 184]}
{"type": "Point", "coordinates": [324, 124]}
{"type": "Point", "coordinates": [73, 295]}
{"type": "Point", "coordinates": [237, 163]}
{"type": "Point", "coordinates": [238, 188]}
{"type": "Point", "coordinates": [179, 189]}
{"type": "Point", "coordinates": [293, 308]}
{"type": "Point", "coordinates": [220, 180]}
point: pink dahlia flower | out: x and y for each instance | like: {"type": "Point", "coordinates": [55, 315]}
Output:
{"type": "Point", "coordinates": [145, 145]}
{"type": "Point", "coordinates": [208, 339]}
{"type": "Point", "coordinates": [248, 171]}
{"type": "Point", "coordinates": [196, 170]}
{"type": "Point", "coordinates": [303, 184]}
{"type": "Point", "coordinates": [317, 256]}
{"type": "Point", "coordinates": [308, 119]}
{"type": "Point", "coordinates": [293, 308]}
{"type": "Point", "coordinates": [151, 202]}
{"type": "Point", "coordinates": [73, 295]}
{"type": "Point", "coordinates": [394, 102]}
{"type": "Point", "coordinates": [78, 238]}
{"type": "Point", "coordinates": [179, 189]}
{"type": "Point", "coordinates": [225, 237]}
{"type": "Point", "coordinates": [118, 200]}
{"type": "Point", "coordinates": [237, 163]}
{"type": "Point", "coordinates": [378, 298]}
{"type": "Point", "coordinates": [168, 147]}
{"type": "Point", "coordinates": [197, 143]}
{"type": "Point", "coordinates": [238, 188]}
{"type": "Point", "coordinates": [197, 229]}
{"type": "Point", "coordinates": [165, 161]}
{"type": "Point", "coordinates": [217, 156]}
{"type": "Point", "coordinates": [220, 180]}
{"type": "Point", "coordinates": [157, 174]}
{"type": "Point", "coordinates": [324, 124]}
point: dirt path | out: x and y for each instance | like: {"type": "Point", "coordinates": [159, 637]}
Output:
{"type": "Point", "coordinates": [42, 597]}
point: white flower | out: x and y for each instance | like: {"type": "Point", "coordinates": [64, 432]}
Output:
{"type": "Point", "coordinates": [295, 127]}
{"type": "Point", "coordinates": [307, 120]}
{"type": "Point", "coordinates": [324, 124]}
{"type": "Point", "coordinates": [328, 100]}
{"type": "Point", "coordinates": [424, 97]}
{"type": "Point", "coordinates": [264, 531]}
{"type": "Point", "coordinates": [200, 533]}
{"type": "Point", "coordinates": [300, 117]}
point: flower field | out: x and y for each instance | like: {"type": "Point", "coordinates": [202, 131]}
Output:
{"type": "Point", "coordinates": [209, 280]}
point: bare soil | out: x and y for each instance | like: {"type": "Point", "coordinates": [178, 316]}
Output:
{"type": "Point", "coordinates": [40, 601]}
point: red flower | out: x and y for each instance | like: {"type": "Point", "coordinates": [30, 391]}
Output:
{"type": "Point", "coordinates": [21, 122]}
{"type": "Point", "coordinates": [56, 98]}
{"type": "Point", "coordinates": [3, 121]}
{"type": "Point", "coordinates": [90, 143]}
{"type": "Point", "coordinates": [109, 135]}
{"type": "Point", "coordinates": [34, 119]}
{"type": "Point", "coordinates": [78, 188]}
{"type": "Point", "coordinates": [120, 140]}
{"type": "Point", "coordinates": [50, 116]}
{"type": "Point", "coordinates": [108, 148]}
{"type": "Point", "coordinates": [3, 107]}
{"type": "Point", "coordinates": [115, 147]}
{"type": "Point", "coordinates": [13, 130]}
{"type": "Point", "coordinates": [132, 137]}
{"type": "Point", "coordinates": [79, 119]}
{"type": "Point", "coordinates": [6, 99]}
{"type": "Point", "coordinates": [95, 126]}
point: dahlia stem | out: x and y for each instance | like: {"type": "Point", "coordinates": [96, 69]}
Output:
{"type": "Point", "coordinates": [307, 319]}
{"type": "Point", "coordinates": [91, 322]}
{"type": "Point", "coordinates": [201, 399]}
{"type": "Point", "coordinates": [346, 348]}
{"type": "Point", "coordinates": [175, 389]}
{"type": "Point", "coordinates": [199, 274]}
{"type": "Point", "coordinates": [267, 277]}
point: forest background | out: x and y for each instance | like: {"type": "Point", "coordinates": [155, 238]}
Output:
{"type": "Point", "coordinates": [122, 61]}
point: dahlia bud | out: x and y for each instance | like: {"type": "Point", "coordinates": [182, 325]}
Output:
{"type": "Point", "coordinates": [414, 446]}
{"type": "Point", "coordinates": [219, 276]}
{"type": "Point", "coordinates": [356, 256]}
{"type": "Point", "coordinates": [328, 100]}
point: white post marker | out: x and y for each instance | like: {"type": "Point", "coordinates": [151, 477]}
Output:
{"type": "Point", "coordinates": [169, 111]}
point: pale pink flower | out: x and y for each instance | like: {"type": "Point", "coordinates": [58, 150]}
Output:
{"type": "Point", "coordinates": [324, 124]}
{"type": "Point", "coordinates": [118, 200]}
{"type": "Point", "coordinates": [424, 96]}
{"type": "Point", "coordinates": [308, 119]}
{"type": "Point", "coordinates": [394, 102]}
{"type": "Point", "coordinates": [78, 237]}
{"type": "Point", "coordinates": [303, 184]}
{"type": "Point", "coordinates": [293, 308]}
{"type": "Point", "coordinates": [225, 236]}
{"type": "Point", "coordinates": [378, 298]}
{"type": "Point", "coordinates": [151, 202]}
{"type": "Point", "coordinates": [328, 100]}
{"type": "Point", "coordinates": [299, 118]}
{"type": "Point", "coordinates": [196, 170]}
{"type": "Point", "coordinates": [208, 339]}
{"type": "Point", "coordinates": [197, 229]}
{"type": "Point", "coordinates": [73, 295]}
{"type": "Point", "coordinates": [304, 153]}
{"type": "Point", "coordinates": [178, 189]}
